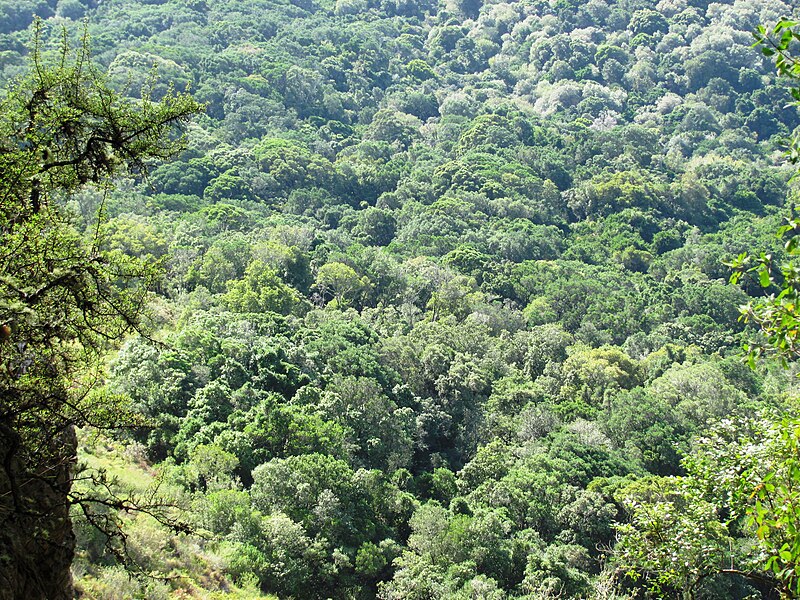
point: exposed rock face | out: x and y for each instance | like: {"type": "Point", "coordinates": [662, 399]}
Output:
{"type": "Point", "coordinates": [36, 539]}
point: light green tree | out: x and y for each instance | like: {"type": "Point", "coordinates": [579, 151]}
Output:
{"type": "Point", "coordinates": [339, 281]}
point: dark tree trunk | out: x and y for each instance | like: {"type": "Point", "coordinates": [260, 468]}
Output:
{"type": "Point", "coordinates": [37, 543]}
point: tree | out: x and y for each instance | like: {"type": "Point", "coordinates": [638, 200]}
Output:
{"type": "Point", "coordinates": [261, 290]}
{"type": "Point", "coordinates": [648, 21]}
{"type": "Point", "coordinates": [674, 540]}
{"type": "Point", "coordinates": [63, 297]}
{"type": "Point", "coordinates": [339, 281]}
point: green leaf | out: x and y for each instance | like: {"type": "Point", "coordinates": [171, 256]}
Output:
{"type": "Point", "coordinates": [763, 277]}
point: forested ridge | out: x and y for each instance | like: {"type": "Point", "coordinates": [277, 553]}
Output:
{"type": "Point", "coordinates": [439, 300]}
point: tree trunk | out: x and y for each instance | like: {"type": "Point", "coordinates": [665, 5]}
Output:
{"type": "Point", "coordinates": [37, 543]}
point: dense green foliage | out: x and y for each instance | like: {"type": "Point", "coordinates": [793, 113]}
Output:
{"type": "Point", "coordinates": [444, 312]}
{"type": "Point", "coordinates": [740, 493]}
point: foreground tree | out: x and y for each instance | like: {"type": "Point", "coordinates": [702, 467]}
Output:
{"type": "Point", "coordinates": [63, 298]}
